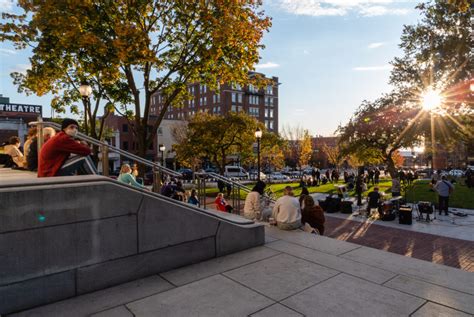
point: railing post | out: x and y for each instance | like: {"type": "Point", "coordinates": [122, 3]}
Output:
{"type": "Point", "coordinates": [105, 160]}
{"type": "Point", "coordinates": [39, 128]}
{"type": "Point", "coordinates": [157, 180]}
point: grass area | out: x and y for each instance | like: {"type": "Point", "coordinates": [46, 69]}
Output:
{"type": "Point", "coordinates": [462, 197]}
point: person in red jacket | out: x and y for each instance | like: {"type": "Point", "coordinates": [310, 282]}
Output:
{"type": "Point", "coordinates": [220, 202]}
{"type": "Point", "coordinates": [54, 158]}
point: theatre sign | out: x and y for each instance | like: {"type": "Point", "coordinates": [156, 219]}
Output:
{"type": "Point", "coordinates": [20, 108]}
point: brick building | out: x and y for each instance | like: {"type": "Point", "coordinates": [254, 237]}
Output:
{"type": "Point", "coordinates": [259, 103]}
{"type": "Point", "coordinates": [14, 118]}
{"type": "Point", "coordinates": [320, 158]}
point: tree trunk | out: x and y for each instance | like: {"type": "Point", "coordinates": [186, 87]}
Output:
{"type": "Point", "coordinates": [391, 166]}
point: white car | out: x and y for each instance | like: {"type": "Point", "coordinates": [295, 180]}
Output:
{"type": "Point", "coordinates": [456, 173]}
{"type": "Point", "coordinates": [278, 176]}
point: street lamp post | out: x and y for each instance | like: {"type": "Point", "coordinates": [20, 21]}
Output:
{"type": "Point", "coordinates": [162, 149]}
{"type": "Point", "coordinates": [86, 91]}
{"type": "Point", "coordinates": [258, 136]}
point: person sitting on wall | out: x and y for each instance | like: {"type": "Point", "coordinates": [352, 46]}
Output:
{"type": "Point", "coordinates": [55, 156]}
{"type": "Point", "coordinates": [253, 207]}
{"type": "Point", "coordinates": [193, 198]}
{"type": "Point", "coordinates": [127, 177]}
{"type": "Point", "coordinates": [32, 157]}
{"type": "Point", "coordinates": [287, 212]}
{"type": "Point", "coordinates": [221, 203]}
{"type": "Point", "coordinates": [13, 150]}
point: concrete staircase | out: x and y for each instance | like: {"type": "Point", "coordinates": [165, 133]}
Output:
{"type": "Point", "coordinates": [66, 236]}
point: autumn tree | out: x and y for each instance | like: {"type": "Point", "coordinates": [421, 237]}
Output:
{"type": "Point", "coordinates": [132, 50]}
{"type": "Point", "coordinates": [298, 150]}
{"type": "Point", "coordinates": [217, 137]}
{"type": "Point", "coordinates": [381, 128]}
{"type": "Point", "coordinates": [306, 149]}
{"type": "Point", "coordinates": [333, 154]}
{"type": "Point", "coordinates": [437, 55]}
{"type": "Point", "coordinates": [272, 155]}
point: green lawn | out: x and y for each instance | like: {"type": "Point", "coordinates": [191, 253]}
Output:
{"type": "Point", "coordinates": [462, 197]}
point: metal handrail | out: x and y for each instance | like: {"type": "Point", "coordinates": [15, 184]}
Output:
{"type": "Point", "coordinates": [232, 182]}
{"type": "Point", "coordinates": [112, 148]}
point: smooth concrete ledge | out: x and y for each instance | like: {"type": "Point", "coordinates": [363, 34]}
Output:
{"type": "Point", "coordinates": [66, 236]}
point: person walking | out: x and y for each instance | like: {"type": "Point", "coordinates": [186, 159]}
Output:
{"type": "Point", "coordinates": [444, 188]}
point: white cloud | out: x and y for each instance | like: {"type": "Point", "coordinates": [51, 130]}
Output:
{"type": "Point", "coordinates": [20, 68]}
{"type": "Point", "coordinates": [366, 8]}
{"type": "Point", "coordinates": [6, 51]}
{"type": "Point", "coordinates": [372, 68]}
{"type": "Point", "coordinates": [376, 45]}
{"type": "Point", "coordinates": [7, 5]}
{"type": "Point", "coordinates": [381, 10]}
{"type": "Point", "coordinates": [267, 65]}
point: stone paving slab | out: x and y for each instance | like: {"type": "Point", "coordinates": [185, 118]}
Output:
{"type": "Point", "coordinates": [434, 293]}
{"type": "Point", "coordinates": [120, 311]}
{"type": "Point", "coordinates": [435, 310]}
{"type": "Point", "coordinates": [213, 296]}
{"type": "Point", "coordinates": [345, 295]}
{"type": "Point", "coordinates": [101, 300]}
{"type": "Point", "coordinates": [211, 267]}
{"type": "Point", "coordinates": [276, 310]}
{"type": "Point", "coordinates": [434, 273]}
{"type": "Point", "coordinates": [361, 270]}
{"type": "Point", "coordinates": [280, 276]}
{"type": "Point", "coordinates": [320, 243]}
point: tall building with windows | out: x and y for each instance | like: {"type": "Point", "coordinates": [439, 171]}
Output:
{"type": "Point", "coordinates": [261, 103]}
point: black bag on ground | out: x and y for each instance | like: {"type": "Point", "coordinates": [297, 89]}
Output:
{"type": "Point", "coordinates": [333, 204]}
{"type": "Point", "coordinates": [323, 204]}
{"type": "Point", "coordinates": [346, 207]}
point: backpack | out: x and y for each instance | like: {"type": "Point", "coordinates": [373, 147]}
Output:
{"type": "Point", "coordinates": [449, 186]}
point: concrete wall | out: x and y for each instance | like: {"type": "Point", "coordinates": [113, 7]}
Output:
{"type": "Point", "coordinates": [66, 236]}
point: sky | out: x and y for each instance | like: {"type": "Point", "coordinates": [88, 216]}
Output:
{"type": "Point", "coordinates": [329, 55]}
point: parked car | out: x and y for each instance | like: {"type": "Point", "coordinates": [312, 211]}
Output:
{"type": "Point", "coordinates": [456, 173]}
{"type": "Point", "coordinates": [186, 172]}
{"type": "Point", "coordinates": [278, 176]}
{"type": "Point", "coordinates": [235, 172]}
{"type": "Point", "coordinates": [253, 175]}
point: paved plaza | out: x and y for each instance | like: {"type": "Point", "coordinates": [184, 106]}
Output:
{"type": "Point", "coordinates": [293, 274]}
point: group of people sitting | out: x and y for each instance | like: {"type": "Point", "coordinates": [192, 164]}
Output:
{"type": "Point", "coordinates": [288, 213]}
{"type": "Point", "coordinates": [60, 155]}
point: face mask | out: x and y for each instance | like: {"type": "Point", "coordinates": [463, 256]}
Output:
{"type": "Point", "coordinates": [71, 132]}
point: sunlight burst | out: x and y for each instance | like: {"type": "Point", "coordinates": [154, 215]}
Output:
{"type": "Point", "coordinates": [431, 100]}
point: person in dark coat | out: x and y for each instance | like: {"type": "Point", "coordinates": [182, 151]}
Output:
{"type": "Point", "coordinates": [313, 214]}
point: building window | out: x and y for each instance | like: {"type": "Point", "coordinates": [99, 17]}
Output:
{"type": "Point", "coordinates": [216, 98]}
{"type": "Point", "coordinates": [254, 100]}
{"type": "Point", "coordinates": [239, 98]}
{"type": "Point", "coordinates": [253, 111]}
{"type": "Point", "coordinates": [266, 113]}
{"type": "Point", "coordinates": [202, 89]}
{"type": "Point", "coordinates": [270, 124]}
{"type": "Point", "coordinates": [234, 97]}
{"type": "Point", "coordinates": [269, 90]}
{"type": "Point", "coordinates": [252, 88]}
{"type": "Point", "coordinates": [236, 87]}
{"type": "Point", "coordinates": [124, 127]}
{"type": "Point", "coordinates": [266, 124]}
{"type": "Point", "coordinates": [271, 113]}
{"type": "Point", "coordinates": [125, 145]}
